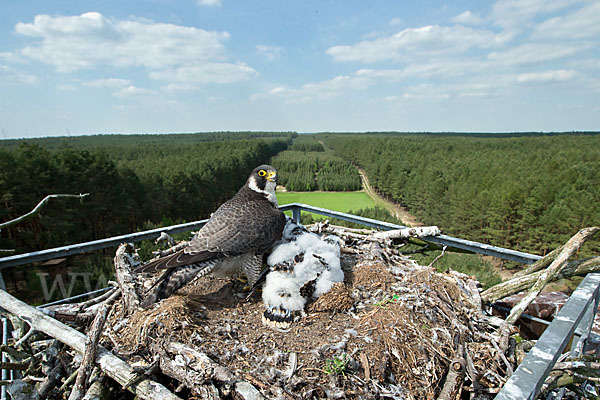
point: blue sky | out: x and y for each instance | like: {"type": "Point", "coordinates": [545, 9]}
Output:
{"type": "Point", "coordinates": [87, 67]}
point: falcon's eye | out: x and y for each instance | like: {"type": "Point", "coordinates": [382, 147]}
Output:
{"type": "Point", "coordinates": [262, 172]}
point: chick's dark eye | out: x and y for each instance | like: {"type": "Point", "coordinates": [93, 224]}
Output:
{"type": "Point", "coordinates": [262, 172]}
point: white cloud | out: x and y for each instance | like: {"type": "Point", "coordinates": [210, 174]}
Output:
{"type": "Point", "coordinates": [210, 3]}
{"type": "Point", "coordinates": [396, 21]}
{"type": "Point", "coordinates": [468, 18]}
{"type": "Point", "coordinates": [536, 53]}
{"type": "Point", "coordinates": [108, 82]}
{"type": "Point", "coordinates": [442, 68]}
{"type": "Point", "coordinates": [180, 55]}
{"type": "Point", "coordinates": [11, 57]}
{"type": "Point", "coordinates": [132, 91]}
{"type": "Point", "coordinates": [204, 73]}
{"type": "Point", "coordinates": [86, 41]}
{"type": "Point", "coordinates": [328, 89]}
{"type": "Point", "coordinates": [425, 91]}
{"type": "Point", "coordinates": [10, 75]}
{"type": "Point", "coordinates": [271, 52]}
{"type": "Point", "coordinates": [433, 40]}
{"type": "Point", "coordinates": [514, 14]}
{"type": "Point", "coordinates": [547, 76]}
{"type": "Point", "coordinates": [579, 24]}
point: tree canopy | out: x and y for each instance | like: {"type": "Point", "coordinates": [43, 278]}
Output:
{"type": "Point", "coordinates": [524, 192]}
{"type": "Point", "coordinates": [130, 183]}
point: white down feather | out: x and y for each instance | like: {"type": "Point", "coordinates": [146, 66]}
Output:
{"type": "Point", "coordinates": [282, 287]}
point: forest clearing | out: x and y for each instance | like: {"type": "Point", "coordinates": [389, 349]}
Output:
{"type": "Point", "coordinates": [338, 201]}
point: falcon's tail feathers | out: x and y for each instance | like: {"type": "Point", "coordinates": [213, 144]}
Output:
{"type": "Point", "coordinates": [174, 279]}
{"type": "Point", "coordinates": [157, 264]}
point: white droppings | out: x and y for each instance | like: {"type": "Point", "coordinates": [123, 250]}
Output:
{"type": "Point", "coordinates": [540, 353]}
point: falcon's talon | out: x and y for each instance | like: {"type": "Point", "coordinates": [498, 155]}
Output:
{"type": "Point", "coordinates": [278, 318]}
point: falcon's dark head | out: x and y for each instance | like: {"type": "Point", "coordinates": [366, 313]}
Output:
{"type": "Point", "coordinates": [264, 180]}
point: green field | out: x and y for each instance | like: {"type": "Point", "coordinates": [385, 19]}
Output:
{"type": "Point", "coordinates": [337, 201]}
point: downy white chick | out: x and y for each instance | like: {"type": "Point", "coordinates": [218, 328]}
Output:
{"type": "Point", "coordinates": [303, 266]}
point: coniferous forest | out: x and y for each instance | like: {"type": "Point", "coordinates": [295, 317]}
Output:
{"type": "Point", "coordinates": [306, 167]}
{"type": "Point", "coordinates": [528, 192]}
{"type": "Point", "coordinates": [132, 181]}
{"type": "Point", "coordinates": [524, 191]}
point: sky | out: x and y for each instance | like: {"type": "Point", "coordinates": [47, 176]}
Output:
{"type": "Point", "coordinates": [161, 66]}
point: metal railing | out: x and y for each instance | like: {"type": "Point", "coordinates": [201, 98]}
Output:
{"type": "Point", "coordinates": [57, 252]}
{"type": "Point", "coordinates": [574, 321]}
{"type": "Point", "coordinates": [296, 209]}
{"type": "Point", "coordinates": [445, 240]}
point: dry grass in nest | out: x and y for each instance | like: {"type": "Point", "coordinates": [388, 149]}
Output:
{"type": "Point", "coordinates": [373, 276]}
{"type": "Point", "coordinates": [412, 331]}
{"type": "Point", "coordinates": [339, 298]}
{"type": "Point", "coordinates": [174, 317]}
{"type": "Point", "coordinates": [411, 342]}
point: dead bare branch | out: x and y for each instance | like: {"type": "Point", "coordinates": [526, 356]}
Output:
{"type": "Point", "coordinates": [569, 248]}
{"type": "Point", "coordinates": [37, 208]}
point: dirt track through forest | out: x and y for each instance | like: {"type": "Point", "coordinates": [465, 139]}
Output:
{"type": "Point", "coordinates": [398, 211]}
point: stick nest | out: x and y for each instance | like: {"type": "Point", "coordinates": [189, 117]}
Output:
{"type": "Point", "coordinates": [390, 329]}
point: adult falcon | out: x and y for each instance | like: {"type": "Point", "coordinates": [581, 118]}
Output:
{"type": "Point", "coordinates": [233, 240]}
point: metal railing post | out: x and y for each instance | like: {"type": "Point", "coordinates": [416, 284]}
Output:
{"type": "Point", "coordinates": [296, 215]}
{"type": "Point", "coordinates": [5, 372]}
{"type": "Point", "coordinates": [584, 328]}
{"type": "Point", "coordinates": [527, 380]}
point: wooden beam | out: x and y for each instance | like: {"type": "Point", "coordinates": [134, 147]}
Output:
{"type": "Point", "coordinates": [112, 365]}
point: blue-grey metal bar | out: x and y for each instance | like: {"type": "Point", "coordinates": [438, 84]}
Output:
{"type": "Point", "coordinates": [475, 247]}
{"type": "Point", "coordinates": [373, 223]}
{"type": "Point", "coordinates": [77, 297]}
{"type": "Point", "coordinates": [524, 316]}
{"type": "Point", "coordinates": [296, 215]}
{"type": "Point", "coordinates": [64, 251]}
{"type": "Point", "coordinates": [296, 208]}
{"type": "Point", "coordinates": [527, 380]}
{"type": "Point", "coordinates": [5, 372]}
{"type": "Point", "coordinates": [482, 248]}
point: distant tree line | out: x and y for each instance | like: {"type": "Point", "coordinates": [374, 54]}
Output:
{"type": "Point", "coordinates": [526, 192]}
{"type": "Point", "coordinates": [305, 171]}
{"type": "Point", "coordinates": [131, 185]}
{"type": "Point", "coordinates": [123, 141]}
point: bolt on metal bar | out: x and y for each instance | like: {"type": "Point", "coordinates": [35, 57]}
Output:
{"type": "Point", "coordinates": [523, 316]}
{"type": "Point", "coordinates": [527, 380]}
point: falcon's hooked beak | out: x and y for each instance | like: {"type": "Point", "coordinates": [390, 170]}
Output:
{"type": "Point", "coordinates": [272, 177]}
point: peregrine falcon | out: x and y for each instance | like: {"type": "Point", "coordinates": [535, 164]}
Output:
{"type": "Point", "coordinates": [233, 240]}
